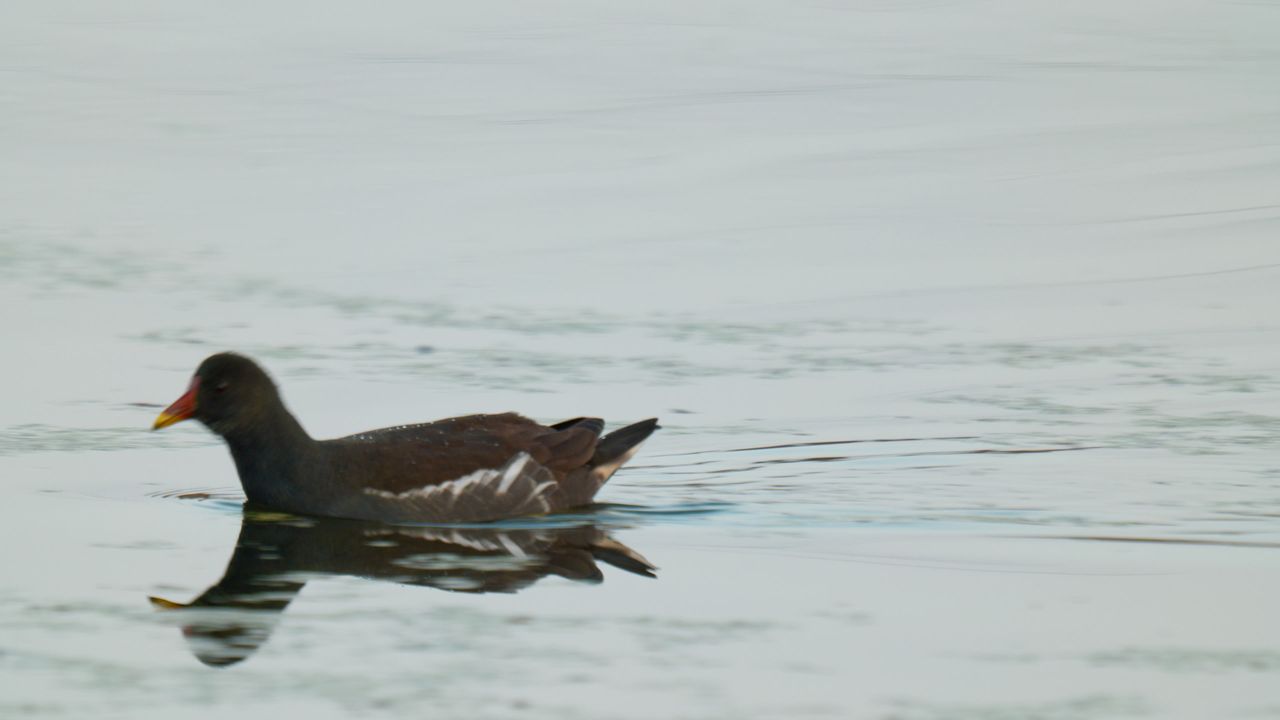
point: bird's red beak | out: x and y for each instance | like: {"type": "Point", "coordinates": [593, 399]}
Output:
{"type": "Point", "coordinates": [181, 409]}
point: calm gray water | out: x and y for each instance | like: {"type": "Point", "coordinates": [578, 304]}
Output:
{"type": "Point", "coordinates": [960, 319]}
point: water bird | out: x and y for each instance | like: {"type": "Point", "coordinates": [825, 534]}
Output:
{"type": "Point", "coordinates": [474, 468]}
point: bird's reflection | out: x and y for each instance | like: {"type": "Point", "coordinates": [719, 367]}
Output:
{"type": "Point", "coordinates": [276, 555]}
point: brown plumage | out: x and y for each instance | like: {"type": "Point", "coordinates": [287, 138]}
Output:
{"type": "Point", "coordinates": [463, 469]}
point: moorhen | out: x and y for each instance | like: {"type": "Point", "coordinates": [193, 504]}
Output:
{"type": "Point", "coordinates": [473, 468]}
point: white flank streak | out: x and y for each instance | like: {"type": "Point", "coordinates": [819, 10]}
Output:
{"type": "Point", "coordinates": [451, 487]}
{"type": "Point", "coordinates": [494, 482]}
{"type": "Point", "coordinates": [514, 469]}
{"type": "Point", "coordinates": [539, 492]}
{"type": "Point", "coordinates": [478, 477]}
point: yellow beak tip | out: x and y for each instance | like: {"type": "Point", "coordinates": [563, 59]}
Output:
{"type": "Point", "coordinates": [165, 420]}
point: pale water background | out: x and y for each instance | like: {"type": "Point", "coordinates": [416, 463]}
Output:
{"type": "Point", "coordinates": [949, 231]}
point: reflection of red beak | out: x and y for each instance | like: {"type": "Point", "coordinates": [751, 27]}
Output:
{"type": "Point", "coordinates": [181, 409]}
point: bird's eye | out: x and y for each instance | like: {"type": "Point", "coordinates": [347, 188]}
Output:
{"type": "Point", "coordinates": [221, 387]}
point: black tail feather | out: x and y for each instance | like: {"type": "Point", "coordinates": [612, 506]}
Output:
{"type": "Point", "coordinates": [594, 424]}
{"type": "Point", "coordinates": [619, 442]}
{"type": "Point", "coordinates": [580, 486]}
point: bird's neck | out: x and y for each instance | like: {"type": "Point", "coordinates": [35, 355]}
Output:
{"type": "Point", "coordinates": [275, 458]}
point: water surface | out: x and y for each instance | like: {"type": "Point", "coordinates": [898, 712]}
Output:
{"type": "Point", "coordinates": [959, 319]}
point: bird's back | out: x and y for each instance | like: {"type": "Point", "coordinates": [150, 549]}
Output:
{"type": "Point", "coordinates": [474, 468]}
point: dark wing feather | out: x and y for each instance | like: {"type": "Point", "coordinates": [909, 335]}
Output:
{"type": "Point", "coordinates": [571, 448]}
{"type": "Point", "coordinates": [402, 458]}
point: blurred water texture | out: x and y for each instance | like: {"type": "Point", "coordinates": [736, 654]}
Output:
{"type": "Point", "coordinates": [959, 317]}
